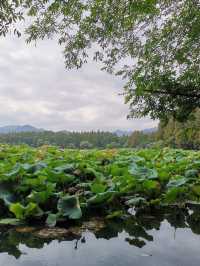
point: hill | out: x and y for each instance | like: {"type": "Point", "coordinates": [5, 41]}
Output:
{"type": "Point", "coordinates": [19, 128]}
{"type": "Point", "coordinates": [121, 133]}
{"type": "Point", "coordinates": [150, 130]}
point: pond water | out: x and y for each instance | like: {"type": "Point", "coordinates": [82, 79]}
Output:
{"type": "Point", "coordinates": [165, 239]}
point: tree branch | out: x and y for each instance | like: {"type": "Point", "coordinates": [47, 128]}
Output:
{"type": "Point", "coordinates": [175, 93]}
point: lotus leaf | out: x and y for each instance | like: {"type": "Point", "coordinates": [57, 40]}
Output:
{"type": "Point", "coordinates": [69, 206]}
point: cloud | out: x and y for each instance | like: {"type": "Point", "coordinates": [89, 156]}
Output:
{"type": "Point", "coordinates": [36, 89]}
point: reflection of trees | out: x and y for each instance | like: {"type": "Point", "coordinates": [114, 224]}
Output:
{"type": "Point", "coordinates": [194, 222]}
{"type": "Point", "coordinates": [177, 217]}
{"type": "Point", "coordinates": [137, 227]}
{"type": "Point", "coordinates": [136, 242]}
{"type": "Point", "coordinates": [10, 240]}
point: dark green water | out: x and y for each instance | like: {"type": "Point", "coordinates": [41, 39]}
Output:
{"type": "Point", "coordinates": [165, 239]}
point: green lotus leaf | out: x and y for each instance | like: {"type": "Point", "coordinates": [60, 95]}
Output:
{"type": "Point", "coordinates": [142, 173]}
{"type": "Point", "coordinates": [135, 201]}
{"type": "Point", "coordinates": [69, 206]}
{"type": "Point", "coordinates": [38, 197]}
{"type": "Point", "coordinates": [10, 221]}
{"type": "Point", "coordinates": [42, 196]}
{"type": "Point", "coordinates": [151, 185]}
{"type": "Point", "coordinates": [177, 182]}
{"type": "Point", "coordinates": [174, 194]}
{"type": "Point", "coordinates": [18, 210]}
{"type": "Point", "coordinates": [196, 190]}
{"type": "Point", "coordinates": [15, 171]}
{"type": "Point", "coordinates": [66, 168]}
{"type": "Point", "coordinates": [32, 168]}
{"type": "Point", "coordinates": [115, 214]}
{"type": "Point", "coordinates": [51, 220]}
{"type": "Point", "coordinates": [192, 173]}
{"type": "Point", "coordinates": [22, 212]}
{"type": "Point", "coordinates": [101, 197]}
{"type": "Point", "coordinates": [6, 194]}
{"type": "Point", "coordinates": [98, 188]}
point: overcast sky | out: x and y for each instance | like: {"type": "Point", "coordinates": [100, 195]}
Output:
{"type": "Point", "coordinates": [36, 89]}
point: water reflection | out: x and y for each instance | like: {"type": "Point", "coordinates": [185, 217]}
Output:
{"type": "Point", "coordinates": [165, 237]}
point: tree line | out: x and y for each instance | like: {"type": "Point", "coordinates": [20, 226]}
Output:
{"type": "Point", "coordinates": [82, 140]}
{"type": "Point", "coordinates": [172, 133]}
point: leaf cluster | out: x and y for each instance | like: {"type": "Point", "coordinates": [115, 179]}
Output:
{"type": "Point", "coordinates": [57, 185]}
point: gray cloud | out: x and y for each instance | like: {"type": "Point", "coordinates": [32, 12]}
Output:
{"type": "Point", "coordinates": [35, 88]}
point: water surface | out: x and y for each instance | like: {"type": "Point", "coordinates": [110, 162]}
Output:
{"type": "Point", "coordinates": [149, 239]}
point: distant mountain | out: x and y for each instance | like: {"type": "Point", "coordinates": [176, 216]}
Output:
{"type": "Point", "coordinates": [29, 128]}
{"type": "Point", "coordinates": [121, 133]}
{"type": "Point", "coordinates": [18, 128]}
{"type": "Point", "coordinates": [150, 130]}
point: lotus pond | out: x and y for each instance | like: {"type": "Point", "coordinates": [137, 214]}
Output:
{"type": "Point", "coordinates": [99, 207]}
{"type": "Point", "coordinates": [56, 187]}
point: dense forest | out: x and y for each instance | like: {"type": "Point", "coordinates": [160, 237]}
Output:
{"type": "Point", "coordinates": [172, 133]}
{"type": "Point", "coordinates": [83, 140]}
{"type": "Point", "coordinates": [181, 135]}
{"type": "Point", "coordinates": [140, 139]}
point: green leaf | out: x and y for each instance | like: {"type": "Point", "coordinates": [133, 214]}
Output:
{"type": "Point", "coordinates": [101, 197]}
{"type": "Point", "coordinates": [42, 196]}
{"type": "Point", "coordinates": [38, 197]}
{"type": "Point", "coordinates": [177, 182]}
{"type": "Point", "coordinates": [196, 190]}
{"type": "Point", "coordinates": [174, 194]}
{"type": "Point", "coordinates": [15, 171]}
{"type": "Point", "coordinates": [142, 173]}
{"type": "Point", "coordinates": [32, 209]}
{"type": "Point", "coordinates": [115, 214]}
{"type": "Point", "coordinates": [92, 173]}
{"type": "Point", "coordinates": [69, 206]}
{"type": "Point", "coordinates": [18, 210]}
{"type": "Point", "coordinates": [37, 183]}
{"type": "Point", "coordinates": [151, 185]}
{"type": "Point", "coordinates": [65, 168]}
{"type": "Point", "coordinates": [22, 212]}
{"type": "Point", "coordinates": [192, 173]}
{"type": "Point", "coordinates": [10, 221]}
{"type": "Point", "coordinates": [67, 178]}
{"type": "Point", "coordinates": [135, 201]}
{"type": "Point", "coordinates": [51, 220]}
{"type": "Point", "coordinates": [6, 195]}
{"type": "Point", "coordinates": [32, 168]}
{"type": "Point", "coordinates": [98, 188]}
{"type": "Point", "coordinates": [137, 159]}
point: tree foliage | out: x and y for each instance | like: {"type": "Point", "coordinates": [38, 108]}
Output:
{"type": "Point", "coordinates": [142, 139]}
{"type": "Point", "coordinates": [85, 145]}
{"type": "Point", "coordinates": [152, 44]}
{"type": "Point", "coordinates": [83, 140]}
{"type": "Point", "coordinates": [181, 135]}
{"type": "Point", "coordinates": [10, 13]}
{"type": "Point", "coordinates": [156, 43]}
{"type": "Point", "coordinates": [174, 134]}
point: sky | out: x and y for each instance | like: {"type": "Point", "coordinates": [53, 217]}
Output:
{"type": "Point", "coordinates": [36, 89]}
